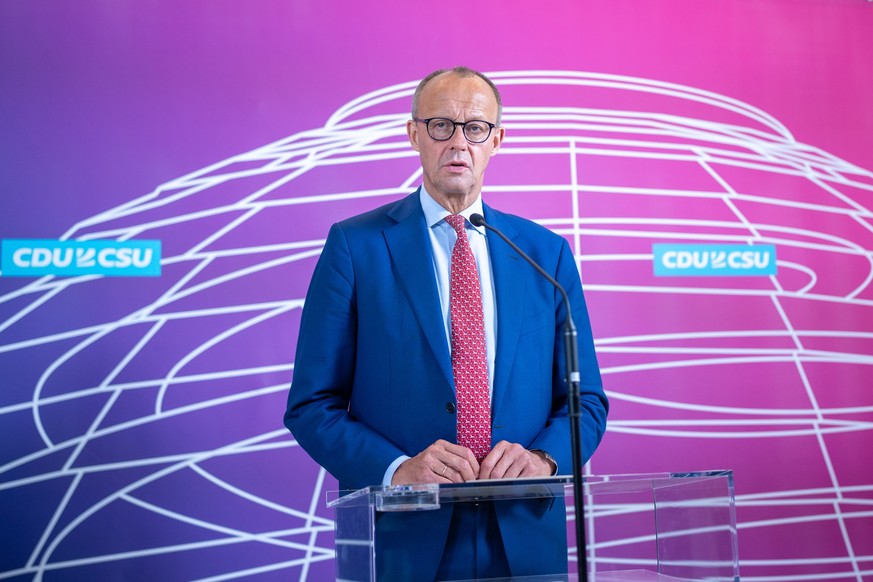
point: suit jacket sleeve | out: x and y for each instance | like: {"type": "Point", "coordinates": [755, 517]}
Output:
{"type": "Point", "coordinates": [318, 402]}
{"type": "Point", "coordinates": [594, 405]}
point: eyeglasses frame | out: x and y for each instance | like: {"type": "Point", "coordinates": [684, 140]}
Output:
{"type": "Point", "coordinates": [455, 125]}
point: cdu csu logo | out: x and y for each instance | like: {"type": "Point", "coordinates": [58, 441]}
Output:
{"type": "Point", "coordinates": [38, 257]}
{"type": "Point", "coordinates": [725, 260]}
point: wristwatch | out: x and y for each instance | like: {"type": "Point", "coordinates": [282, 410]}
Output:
{"type": "Point", "coordinates": [549, 458]}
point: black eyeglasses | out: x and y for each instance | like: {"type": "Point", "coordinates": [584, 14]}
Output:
{"type": "Point", "coordinates": [442, 129]}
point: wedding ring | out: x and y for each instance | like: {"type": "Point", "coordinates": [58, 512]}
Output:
{"type": "Point", "coordinates": [443, 474]}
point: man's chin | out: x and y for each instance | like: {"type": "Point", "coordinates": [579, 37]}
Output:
{"type": "Point", "coordinates": [456, 185]}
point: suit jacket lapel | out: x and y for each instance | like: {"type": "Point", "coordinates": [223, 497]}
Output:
{"type": "Point", "coordinates": [510, 287]}
{"type": "Point", "coordinates": [410, 250]}
{"type": "Point", "coordinates": [412, 255]}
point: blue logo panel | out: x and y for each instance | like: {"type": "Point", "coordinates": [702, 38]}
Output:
{"type": "Point", "coordinates": [38, 257]}
{"type": "Point", "coordinates": [719, 260]}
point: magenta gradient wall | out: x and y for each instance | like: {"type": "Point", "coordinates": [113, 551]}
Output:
{"type": "Point", "coordinates": [140, 419]}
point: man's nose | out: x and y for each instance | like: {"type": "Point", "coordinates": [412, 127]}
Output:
{"type": "Point", "coordinates": [458, 141]}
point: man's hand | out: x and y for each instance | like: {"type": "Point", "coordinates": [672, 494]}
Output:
{"type": "Point", "coordinates": [510, 460]}
{"type": "Point", "coordinates": [441, 462]}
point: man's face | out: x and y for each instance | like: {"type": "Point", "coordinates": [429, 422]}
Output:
{"type": "Point", "coordinates": [454, 169]}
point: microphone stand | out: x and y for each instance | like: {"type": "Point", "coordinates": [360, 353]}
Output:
{"type": "Point", "coordinates": [571, 360]}
{"type": "Point", "coordinates": [571, 357]}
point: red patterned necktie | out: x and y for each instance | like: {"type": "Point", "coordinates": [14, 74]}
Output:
{"type": "Point", "coordinates": [469, 361]}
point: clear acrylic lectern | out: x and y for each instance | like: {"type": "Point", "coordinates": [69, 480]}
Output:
{"type": "Point", "coordinates": [666, 527]}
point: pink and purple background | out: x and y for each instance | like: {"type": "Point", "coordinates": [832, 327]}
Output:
{"type": "Point", "coordinates": [141, 419]}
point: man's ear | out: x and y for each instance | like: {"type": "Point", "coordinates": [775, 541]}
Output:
{"type": "Point", "coordinates": [497, 138]}
{"type": "Point", "coordinates": [412, 132]}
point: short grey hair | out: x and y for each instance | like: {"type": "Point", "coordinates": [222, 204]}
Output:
{"type": "Point", "coordinates": [460, 72]}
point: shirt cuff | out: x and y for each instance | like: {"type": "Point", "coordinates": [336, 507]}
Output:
{"type": "Point", "coordinates": [392, 468]}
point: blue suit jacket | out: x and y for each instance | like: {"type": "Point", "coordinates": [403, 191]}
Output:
{"type": "Point", "coordinates": [373, 377]}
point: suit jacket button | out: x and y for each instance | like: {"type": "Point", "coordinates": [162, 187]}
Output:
{"type": "Point", "coordinates": [450, 407]}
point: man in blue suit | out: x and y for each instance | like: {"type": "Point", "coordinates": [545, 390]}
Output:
{"type": "Point", "coordinates": [373, 398]}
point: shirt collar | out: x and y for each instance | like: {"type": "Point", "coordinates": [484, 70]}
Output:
{"type": "Point", "coordinates": [434, 213]}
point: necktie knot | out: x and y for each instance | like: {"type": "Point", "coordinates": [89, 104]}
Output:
{"type": "Point", "coordinates": [457, 222]}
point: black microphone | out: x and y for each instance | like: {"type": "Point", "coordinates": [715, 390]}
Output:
{"type": "Point", "coordinates": [571, 358]}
